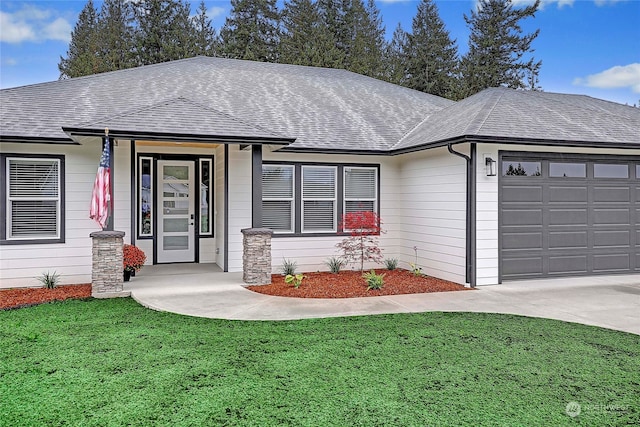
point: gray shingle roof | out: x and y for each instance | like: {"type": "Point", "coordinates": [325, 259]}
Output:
{"type": "Point", "coordinates": [169, 118]}
{"type": "Point", "coordinates": [322, 109]}
{"type": "Point", "coordinates": [513, 115]}
{"type": "Point", "coordinates": [319, 107]}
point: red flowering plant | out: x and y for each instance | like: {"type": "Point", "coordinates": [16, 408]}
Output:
{"type": "Point", "coordinates": [362, 245]}
{"type": "Point", "coordinates": [133, 258]}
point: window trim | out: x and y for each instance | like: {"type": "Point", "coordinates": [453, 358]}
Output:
{"type": "Point", "coordinates": [340, 196]}
{"type": "Point", "coordinates": [211, 232]}
{"type": "Point", "coordinates": [4, 211]}
{"type": "Point", "coordinates": [142, 235]}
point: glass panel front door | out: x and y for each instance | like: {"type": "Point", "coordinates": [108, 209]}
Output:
{"type": "Point", "coordinates": [176, 231]}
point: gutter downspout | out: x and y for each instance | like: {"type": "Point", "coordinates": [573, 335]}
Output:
{"type": "Point", "coordinates": [470, 274]}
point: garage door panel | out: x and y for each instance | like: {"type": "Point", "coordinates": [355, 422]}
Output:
{"type": "Point", "coordinates": [574, 264]}
{"type": "Point", "coordinates": [520, 217]}
{"type": "Point", "coordinates": [611, 194]}
{"type": "Point", "coordinates": [524, 193]}
{"type": "Point", "coordinates": [568, 239]}
{"type": "Point", "coordinates": [603, 238]}
{"type": "Point", "coordinates": [564, 194]}
{"type": "Point", "coordinates": [611, 216]}
{"type": "Point", "coordinates": [531, 240]}
{"type": "Point", "coordinates": [519, 267]}
{"type": "Point", "coordinates": [603, 263]}
{"type": "Point", "coordinates": [562, 217]}
{"type": "Point", "coordinates": [566, 222]}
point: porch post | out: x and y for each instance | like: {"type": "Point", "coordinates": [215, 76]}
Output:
{"type": "Point", "coordinates": [256, 256]}
{"type": "Point", "coordinates": [107, 268]}
{"type": "Point", "coordinates": [256, 186]}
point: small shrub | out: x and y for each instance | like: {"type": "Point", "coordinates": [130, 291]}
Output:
{"type": "Point", "coordinates": [295, 279]}
{"type": "Point", "coordinates": [362, 245]}
{"type": "Point", "coordinates": [289, 267]}
{"type": "Point", "coordinates": [49, 280]}
{"type": "Point", "coordinates": [415, 270]}
{"type": "Point", "coordinates": [391, 263]}
{"type": "Point", "coordinates": [374, 280]}
{"type": "Point", "coordinates": [335, 264]}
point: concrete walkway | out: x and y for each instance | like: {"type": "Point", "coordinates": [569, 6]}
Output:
{"type": "Point", "coordinates": [202, 290]}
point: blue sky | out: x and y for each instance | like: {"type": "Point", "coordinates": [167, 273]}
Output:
{"type": "Point", "coordinates": [589, 47]}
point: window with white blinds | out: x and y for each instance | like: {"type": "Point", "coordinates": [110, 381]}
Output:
{"type": "Point", "coordinates": [278, 197]}
{"type": "Point", "coordinates": [319, 194]}
{"type": "Point", "coordinates": [360, 189]}
{"type": "Point", "coordinates": [33, 188]}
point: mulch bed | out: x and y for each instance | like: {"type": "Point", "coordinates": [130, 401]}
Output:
{"type": "Point", "coordinates": [26, 297]}
{"type": "Point", "coordinates": [350, 284]}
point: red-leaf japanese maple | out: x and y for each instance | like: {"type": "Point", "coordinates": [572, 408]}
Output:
{"type": "Point", "coordinates": [362, 245]}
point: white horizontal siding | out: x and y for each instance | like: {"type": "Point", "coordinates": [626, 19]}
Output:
{"type": "Point", "coordinates": [239, 202]}
{"type": "Point", "coordinates": [433, 213]}
{"type": "Point", "coordinates": [219, 203]}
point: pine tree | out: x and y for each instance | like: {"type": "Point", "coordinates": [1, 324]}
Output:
{"type": "Point", "coordinates": [116, 35]}
{"type": "Point", "coordinates": [396, 57]}
{"type": "Point", "coordinates": [432, 56]}
{"type": "Point", "coordinates": [83, 55]}
{"type": "Point", "coordinates": [164, 31]}
{"type": "Point", "coordinates": [252, 31]}
{"type": "Point", "coordinates": [206, 42]}
{"type": "Point", "coordinates": [499, 52]}
{"type": "Point", "coordinates": [304, 40]}
{"type": "Point", "coordinates": [364, 54]}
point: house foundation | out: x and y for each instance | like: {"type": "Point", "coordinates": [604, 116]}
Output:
{"type": "Point", "coordinates": [256, 256]}
{"type": "Point", "coordinates": [107, 278]}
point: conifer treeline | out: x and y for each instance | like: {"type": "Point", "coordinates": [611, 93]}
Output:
{"type": "Point", "coordinates": [345, 34]}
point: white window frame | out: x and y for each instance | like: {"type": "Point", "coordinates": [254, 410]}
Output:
{"type": "Point", "coordinates": [334, 199]}
{"type": "Point", "coordinates": [346, 199]}
{"type": "Point", "coordinates": [10, 199]}
{"type": "Point", "coordinates": [291, 199]}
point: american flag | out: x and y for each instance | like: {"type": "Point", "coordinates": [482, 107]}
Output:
{"type": "Point", "coordinates": [101, 196]}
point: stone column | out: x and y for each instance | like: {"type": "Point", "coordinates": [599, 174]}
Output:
{"type": "Point", "coordinates": [256, 256]}
{"type": "Point", "coordinates": [107, 270]}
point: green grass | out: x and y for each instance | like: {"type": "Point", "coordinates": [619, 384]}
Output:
{"type": "Point", "coordinates": [112, 362]}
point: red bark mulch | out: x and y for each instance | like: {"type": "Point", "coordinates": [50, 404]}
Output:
{"type": "Point", "coordinates": [350, 284]}
{"type": "Point", "coordinates": [26, 297]}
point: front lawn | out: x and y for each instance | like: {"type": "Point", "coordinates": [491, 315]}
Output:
{"type": "Point", "coordinates": [113, 362]}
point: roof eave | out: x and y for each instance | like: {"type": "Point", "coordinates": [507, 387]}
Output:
{"type": "Point", "coordinates": [163, 136]}
{"type": "Point", "coordinates": [36, 140]}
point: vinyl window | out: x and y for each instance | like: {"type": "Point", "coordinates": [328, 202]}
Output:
{"type": "Point", "coordinates": [319, 197]}
{"type": "Point", "coordinates": [278, 197]}
{"type": "Point", "coordinates": [33, 189]}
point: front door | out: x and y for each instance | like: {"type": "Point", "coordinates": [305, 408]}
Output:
{"type": "Point", "coordinates": [176, 212]}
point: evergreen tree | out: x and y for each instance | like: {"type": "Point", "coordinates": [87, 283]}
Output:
{"type": "Point", "coordinates": [206, 42]}
{"type": "Point", "coordinates": [396, 57]}
{"type": "Point", "coordinates": [364, 53]}
{"type": "Point", "coordinates": [83, 55]}
{"type": "Point", "coordinates": [164, 31]}
{"type": "Point", "coordinates": [432, 57]}
{"type": "Point", "coordinates": [116, 35]}
{"type": "Point", "coordinates": [252, 31]}
{"type": "Point", "coordinates": [304, 40]}
{"type": "Point", "coordinates": [498, 50]}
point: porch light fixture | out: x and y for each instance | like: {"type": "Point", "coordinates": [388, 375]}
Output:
{"type": "Point", "coordinates": [490, 166]}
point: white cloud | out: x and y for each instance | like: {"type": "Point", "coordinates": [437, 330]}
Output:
{"type": "Point", "coordinates": [59, 29]}
{"type": "Point", "coordinates": [215, 12]}
{"type": "Point", "coordinates": [9, 62]}
{"type": "Point", "coordinates": [545, 3]}
{"type": "Point", "coordinates": [14, 30]}
{"type": "Point", "coordinates": [394, 1]}
{"type": "Point", "coordinates": [620, 76]}
{"type": "Point", "coordinates": [33, 24]}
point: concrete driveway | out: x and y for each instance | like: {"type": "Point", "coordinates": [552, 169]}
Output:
{"type": "Point", "coordinates": [202, 290]}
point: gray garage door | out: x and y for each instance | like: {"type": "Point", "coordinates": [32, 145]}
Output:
{"type": "Point", "coordinates": [562, 216]}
